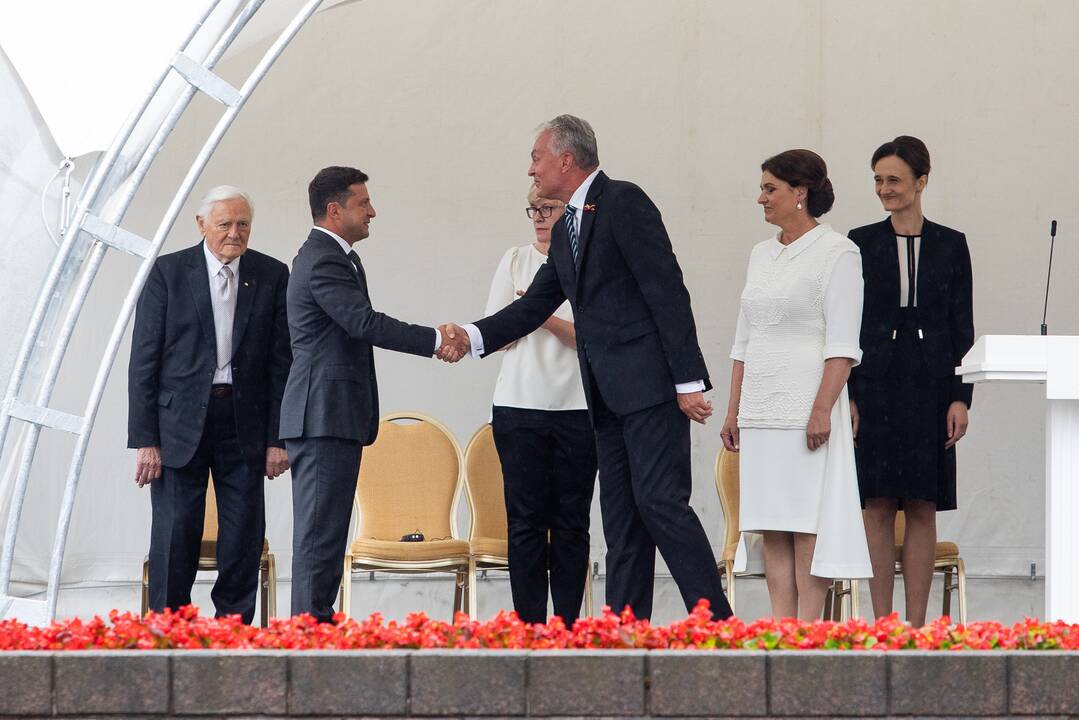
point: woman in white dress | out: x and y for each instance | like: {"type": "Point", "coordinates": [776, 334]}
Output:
{"type": "Point", "coordinates": [788, 415]}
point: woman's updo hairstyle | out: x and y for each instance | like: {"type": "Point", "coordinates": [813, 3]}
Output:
{"type": "Point", "coordinates": [907, 148]}
{"type": "Point", "coordinates": [804, 168]}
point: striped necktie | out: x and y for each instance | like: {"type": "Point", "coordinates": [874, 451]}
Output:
{"type": "Point", "coordinates": [571, 229]}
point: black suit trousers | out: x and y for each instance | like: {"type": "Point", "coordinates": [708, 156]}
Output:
{"type": "Point", "coordinates": [324, 474]}
{"type": "Point", "coordinates": [178, 500]}
{"type": "Point", "coordinates": [645, 483]}
{"type": "Point", "coordinates": [549, 473]}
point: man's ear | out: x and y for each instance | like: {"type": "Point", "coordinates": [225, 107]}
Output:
{"type": "Point", "coordinates": [201, 225]}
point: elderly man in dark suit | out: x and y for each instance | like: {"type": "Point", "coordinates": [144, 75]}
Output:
{"type": "Point", "coordinates": [643, 372]}
{"type": "Point", "coordinates": [330, 408]}
{"type": "Point", "coordinates": [209, 359]}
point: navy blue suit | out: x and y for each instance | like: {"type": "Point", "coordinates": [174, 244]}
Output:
{"type": "Point", "coordinates": [636, 339]}
{"type": "Point", "coordinates": [171, 370]}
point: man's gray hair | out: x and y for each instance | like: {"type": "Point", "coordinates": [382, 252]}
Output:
{"type": "Point", "coordinates": [220, 194]}
{"type": "Point", "coordinates": [573, 135]}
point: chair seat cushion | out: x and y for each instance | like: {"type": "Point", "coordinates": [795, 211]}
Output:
{"type": "Point", "coordinates": [409, 551]}
{"type": "Point", "coordinates": [943, 550]}
{"type": "Point", "coordinates": [208, 548]}
{"type": "Point", "coordinates": [497, 547]}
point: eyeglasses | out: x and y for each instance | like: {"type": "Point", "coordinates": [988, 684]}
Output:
{"type": "Point", "coordinates": [545, 211]}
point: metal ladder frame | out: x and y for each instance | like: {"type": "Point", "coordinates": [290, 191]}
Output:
{"type": "Point", "coordinates": [104, 231]}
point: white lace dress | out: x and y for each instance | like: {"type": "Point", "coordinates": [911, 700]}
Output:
{"type": "Point", "coordinates": [802, 304]}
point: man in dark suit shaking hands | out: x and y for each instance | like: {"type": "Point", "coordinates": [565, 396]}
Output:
{"type": "Point", "coordinates": [330, 408]}
{"type": "Point", "coordinates": [642, 368]}
{"type": "Point", "coordinates": [209, 360]}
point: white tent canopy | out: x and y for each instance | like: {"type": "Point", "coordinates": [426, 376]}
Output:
{"type": "Point", "coordinates": [86, 64]}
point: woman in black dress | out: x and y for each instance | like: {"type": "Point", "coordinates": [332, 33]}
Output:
{"type": "Point", "coordinates": [908, 407]}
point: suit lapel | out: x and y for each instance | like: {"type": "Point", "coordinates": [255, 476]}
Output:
{"type": "Point", "coordinates": [588, 219]}
{"type": "Point", "coordinates": [927, 256]}
{"type": "Point", "coordinates": [246, 287]}
{"type": "Point", "coordinates": [198, 279]}
{"type": "Point", "coordinates": [889, 249]}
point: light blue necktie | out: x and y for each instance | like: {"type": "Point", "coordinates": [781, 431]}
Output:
{"type": "Point", "coordinates": [571, 229]}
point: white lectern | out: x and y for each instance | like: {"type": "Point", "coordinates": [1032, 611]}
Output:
{"type": "Point", "coordinates": [1054, 361]}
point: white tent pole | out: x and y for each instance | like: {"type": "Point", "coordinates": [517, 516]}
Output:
{"type": "Point", "coordinates": [46, 299]}
{"type": "Point", "coordinates": [120, 327]}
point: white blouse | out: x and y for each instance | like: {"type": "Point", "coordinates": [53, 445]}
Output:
{"type": "Point", "coordinates": [538, 371]}
{"type": "Point", "coordinates": [801, 305]}
{"type": "Point", "coordinates": [908, 268]}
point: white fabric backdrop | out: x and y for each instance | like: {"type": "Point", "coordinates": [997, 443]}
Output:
{"type": "Point", "coordinates": [437, 101]}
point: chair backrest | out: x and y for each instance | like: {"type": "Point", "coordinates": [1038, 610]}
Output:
{"type": "Point", "coordinates": [209, 523]}
{"type": "Point", "coordinates": [410, 480]}
{"type": "Point", "coordinates": [483, 481]}
{"type": "Point", "coordinates": [727, 487]}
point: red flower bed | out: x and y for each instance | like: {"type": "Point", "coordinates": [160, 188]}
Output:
{"type": "Point", "coordinates": [186, 629]}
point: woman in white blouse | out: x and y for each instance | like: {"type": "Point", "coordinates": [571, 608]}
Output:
{"type": "Point", "coordinates": [788, 415]}
{"type": "Point", "coordinates": [544, 440]}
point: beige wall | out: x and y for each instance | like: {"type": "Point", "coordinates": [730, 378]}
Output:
{"type": "Point", "coordinates": [438, 100]}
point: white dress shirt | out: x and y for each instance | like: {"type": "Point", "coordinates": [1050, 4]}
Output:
{"type": "Point", "coordinates": [222, 375]}
{"type": "Point", "coordinates": [347, 249]}
{"type": "Point", "coordinates": [577, 200]}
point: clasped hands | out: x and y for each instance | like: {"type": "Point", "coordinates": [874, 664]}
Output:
{"type": "Point", "coordinates": [455, 344]}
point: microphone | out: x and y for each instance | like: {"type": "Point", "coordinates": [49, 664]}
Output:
{"type": "Point", "coordinates": [1052, 242]}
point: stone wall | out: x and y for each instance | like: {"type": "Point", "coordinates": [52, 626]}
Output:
{"type": "Point", "coordinates": [505, 684]}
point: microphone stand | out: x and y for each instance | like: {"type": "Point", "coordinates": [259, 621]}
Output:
{"type": "Point", "coordinates": [1052, 242]}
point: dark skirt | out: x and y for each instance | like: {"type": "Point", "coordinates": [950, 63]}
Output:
{"type": "Point", "coordinates": [903, 427]}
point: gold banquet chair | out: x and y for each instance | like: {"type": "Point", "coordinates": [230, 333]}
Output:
{"type": "Point", "coordinates": [946, 560]}
{"type": "Point", "coordinates": [486, 494]}
{"type": "Point", "coordinates": [410, 481]}
{"type": "Point", "coordinates": [842, 599]}
{"type": "Point", "coordinates": [208, 561]}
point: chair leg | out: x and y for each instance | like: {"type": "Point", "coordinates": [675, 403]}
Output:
{"type": "Point", "coordinates": [471, 589]}
{"type": "Point", "coordinates": [588, 589]}
{"type": "Point", "coordinates": [145, 586]}
{"type": "Point", "coordinates": [459, 582]}
{"type": "Point", "coordinates": [729, 571]}
{"type": "Point", "coordinates": [345, 605]}
{"type": "Point", "coordinates": [264, 590]}
{"type": "Point", "coordinates": [946, 609]}
{"type": "Point", "coordinates": [271, 590]}
{"type": "Point", "coordinates": [961, 572]}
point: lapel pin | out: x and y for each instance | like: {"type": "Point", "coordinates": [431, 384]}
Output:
{"type": "Point", "coordinates": [247, 284]}
{"type": "Point", "coordinates": [591, 207]}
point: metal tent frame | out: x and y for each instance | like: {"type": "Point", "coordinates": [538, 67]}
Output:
{"type": "Point", "coordinates": [97, 222]}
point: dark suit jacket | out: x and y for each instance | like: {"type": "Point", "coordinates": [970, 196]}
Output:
{"type": "Point", "coordinates": [174, 355]}
{"type": "Point", "coordinates": [945, 301]}
{"type": "Point", "coordinates": [635, 332]}
{"type": "Point", "coordinates": [332, 390]}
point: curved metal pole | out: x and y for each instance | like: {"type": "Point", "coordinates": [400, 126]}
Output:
{"type": "Point", "coordinates": [120, 328]}
{"type": "Point", "coordinates": [97, 256]}
{"type": "Point", "coordinates": [131, 185]}
{"type": "Point", "coordinates": [45, 297]}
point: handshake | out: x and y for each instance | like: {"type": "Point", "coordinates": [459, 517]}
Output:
{"type": "Point", "coordinates": [455, 343]}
